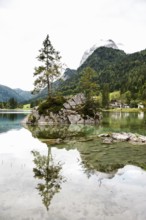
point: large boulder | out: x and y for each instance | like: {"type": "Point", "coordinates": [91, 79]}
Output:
{"type": "Point", "coordinates": [79, 99]}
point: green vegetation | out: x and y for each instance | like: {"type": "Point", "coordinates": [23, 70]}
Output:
{"type": "Point", "coordinates": [50, 69]}
{"type": "Point", "coordinates": [10, 104]}
{"type": "Point", "coordinates": [124, 73]}
{"type": "Point", "coordinates": [116, 95]}
{"type": "Point", "coordinates": [26, 106]}
{"type": "Point", "coordinates": [105, 95]}
{"type": "Point", "coordinates": [87, 83]}
{"type": "Point", "coordinates": [52, 104]}
{"type": "Point", "coordinates": [90, 88]}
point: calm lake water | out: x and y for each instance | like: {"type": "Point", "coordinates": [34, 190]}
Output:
{"type": "Point", "coordinates": [67, 173]}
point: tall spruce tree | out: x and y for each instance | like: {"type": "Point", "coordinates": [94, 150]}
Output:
{"type": "Point", "coordinates": [88, 83]}
{"type": "Point", "coordinates": [105, 95]}
{"type": "Point", "coordinates": [50, 69]}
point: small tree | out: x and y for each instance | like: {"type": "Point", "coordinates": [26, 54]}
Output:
{"type": "Point", "coordinates": [105, 95]}
{"type": "Point", "coordinates": [50, 69]}
{"type": "Point", "coordinates": [90, 88]}
{"type": "Point", "coordinates": [128, 97]}
{"type": "Point", "coordinates": [88, 84]}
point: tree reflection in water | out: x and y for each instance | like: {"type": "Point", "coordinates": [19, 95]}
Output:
{"type": "Point", "coordinates": [49, 173]}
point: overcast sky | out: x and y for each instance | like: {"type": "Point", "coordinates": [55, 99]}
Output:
{"type": "Point", "coordinates": [73, 27]}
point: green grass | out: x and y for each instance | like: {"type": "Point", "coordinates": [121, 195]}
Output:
{"type": "Point", "coordinates": [26, 107]}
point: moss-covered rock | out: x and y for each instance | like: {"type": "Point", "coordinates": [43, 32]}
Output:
{"type": "Point", "coordinates": [52, 104]}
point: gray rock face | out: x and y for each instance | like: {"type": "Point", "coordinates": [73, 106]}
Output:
{"type": "Point", "coordinates": [79, 99]}
{"type": "Point", "coordinates": [74, 119]}
{"type": "Point", "coordinates": [66, 106]}
{"type": "Point", "coordinates": [67, 115]}
{"type": "Point", "coordinates": [72, 104]}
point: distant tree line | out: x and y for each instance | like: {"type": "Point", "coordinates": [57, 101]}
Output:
{"type": "Point", "coordinates": [10, 104]}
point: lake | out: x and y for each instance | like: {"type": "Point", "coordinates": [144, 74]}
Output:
{"type": "Point", "coordinates": [67, 173]}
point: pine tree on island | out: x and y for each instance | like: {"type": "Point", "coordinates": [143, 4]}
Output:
{"type": "Point", "coordinates": [50, 68]}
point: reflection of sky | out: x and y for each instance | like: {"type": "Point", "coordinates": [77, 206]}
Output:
{"type": "Point", "coordinates": [97, 198]}
{"type": "Point", "coordinates": [132, 176]}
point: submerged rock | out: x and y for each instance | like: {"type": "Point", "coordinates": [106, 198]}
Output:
{"type": "Point", "coordinates": [122, 137]}
{"type": "Point", "coordinates": [107, 140]}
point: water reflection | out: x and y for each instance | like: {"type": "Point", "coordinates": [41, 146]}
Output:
{"type": "Point", "coordinates": [10, 121]}
{"type": "Point", "coordinates": [95, 155]}
{"type": "Point", "coordinates": [57, 134]}
{"type": "Point", "coordinates": [49, 174]}
{"type": "Point", "coordinates": [141, 115]}
{"type": "Point", "coordinates": [80, 197]}
{"type": "Point", "coordinates": [109, 158]}
{"type": "Point", "coordinates": [10, 117]}
{"type": "Point", "coordinates": [127, 122]}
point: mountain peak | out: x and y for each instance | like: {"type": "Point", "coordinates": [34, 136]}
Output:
{"type": "Point", "coordinates": [110, 43]}
{"type": "Point", "coordinates": [102, 43]}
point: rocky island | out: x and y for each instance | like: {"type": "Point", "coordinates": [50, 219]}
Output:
{"type": "Point", "coordinates": [72, 111]}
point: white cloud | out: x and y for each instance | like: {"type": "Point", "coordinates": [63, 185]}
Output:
{"type": "Point", "coordinates": [73, 26]}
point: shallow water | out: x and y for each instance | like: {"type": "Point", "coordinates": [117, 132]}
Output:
{"type": "Point", "coordinates": [79, 178]}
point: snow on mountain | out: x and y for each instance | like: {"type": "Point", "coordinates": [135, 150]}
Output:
{"type": "Point", "coordinates": [103, 43]}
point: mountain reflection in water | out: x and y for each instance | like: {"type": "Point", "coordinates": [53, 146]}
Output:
{"type": "Point", "coordinates": [11, 120]}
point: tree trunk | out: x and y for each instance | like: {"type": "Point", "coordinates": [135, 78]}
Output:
{"type": "Point", "coordinates": [49, 87]}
